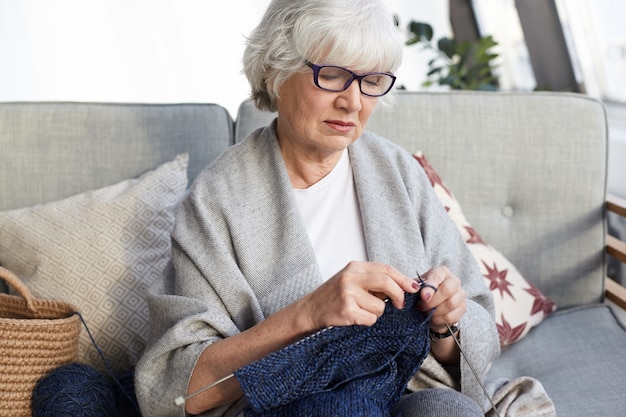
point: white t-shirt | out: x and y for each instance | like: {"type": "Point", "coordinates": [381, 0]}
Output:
{"type": "Point", "coordinates": [332, 219]}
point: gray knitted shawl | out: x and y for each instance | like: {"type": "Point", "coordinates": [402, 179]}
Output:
{"type": "Point", "coordinates": [240, 253]}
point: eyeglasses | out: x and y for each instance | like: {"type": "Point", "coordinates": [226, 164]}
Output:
{"type": "Point", "coordinates": [336, 79]}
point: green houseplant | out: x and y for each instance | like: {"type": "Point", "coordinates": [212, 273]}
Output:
{"type": "Point", "coordinates": [461, 65]}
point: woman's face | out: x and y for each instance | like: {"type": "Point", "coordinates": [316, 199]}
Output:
{"type": "Point", "coordinates": [319, 123]}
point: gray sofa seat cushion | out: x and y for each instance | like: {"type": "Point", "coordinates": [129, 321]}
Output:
{"type": "Point", "coordinates": [578, 355]}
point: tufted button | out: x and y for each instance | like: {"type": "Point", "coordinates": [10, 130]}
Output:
{"type": "Point", "coordinates": [507, 211]}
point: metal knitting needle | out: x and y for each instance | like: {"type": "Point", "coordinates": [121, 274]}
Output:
{"type": "Point", "coordinates": [495, 410]}
{"type": "Point", "coordinates": [423, 284]}
{"type": "Point", "coordinates": [180, 401]}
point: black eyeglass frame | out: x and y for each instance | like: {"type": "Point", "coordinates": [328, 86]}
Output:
{"type": "Point", "coordinates": [359, 77]}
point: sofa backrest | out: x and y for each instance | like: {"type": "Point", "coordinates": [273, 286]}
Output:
{"type": "Point", "coordinates": [53, 150]}
{"type": "Point", "coordinates": [529, 170]}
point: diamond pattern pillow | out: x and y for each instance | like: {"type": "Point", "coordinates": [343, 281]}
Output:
{"type": "Point", "coordinates": [99, 251]}
{"type": "Point", "coordinates": [519, 304]}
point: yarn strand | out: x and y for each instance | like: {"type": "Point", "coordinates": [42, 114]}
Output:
{"type": "Point", "coordinates": [107, 365]}
{"type": "Point", "coordinates": [80, 390]}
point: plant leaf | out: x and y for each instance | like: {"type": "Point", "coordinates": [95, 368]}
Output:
{"type": "Point", "coordinates": [448, 46]}
{"type": "Point", "coordinates": [421, 29]}
{"type": "Point", "coordinates": [434, 71]}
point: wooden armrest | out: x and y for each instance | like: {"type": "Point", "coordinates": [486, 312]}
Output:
{"type": "Point", "coordinates": [617, 249]}
{"type": "Point", "coordinates": [616, 204]}
{"type": "Point", "coordinates": [615, 292]}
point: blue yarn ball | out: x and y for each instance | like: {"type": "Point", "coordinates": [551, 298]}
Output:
{"type": "Point", "coordinates": [74, 390]}
{"type": "Point", "coordinates": [124, 389]}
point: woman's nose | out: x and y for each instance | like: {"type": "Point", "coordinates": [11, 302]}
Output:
{"type": "Point", "coordinates": [350, 98]}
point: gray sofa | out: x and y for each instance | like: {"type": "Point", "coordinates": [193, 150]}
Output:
{"type": "Point", "coordinates": [528, 169]}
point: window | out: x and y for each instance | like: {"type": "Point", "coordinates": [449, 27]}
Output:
{"type": "Point", "coordinates": [596, 39]}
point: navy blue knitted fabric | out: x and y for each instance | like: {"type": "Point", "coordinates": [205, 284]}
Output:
{"type": "Point", "coordinates": [340, 371]}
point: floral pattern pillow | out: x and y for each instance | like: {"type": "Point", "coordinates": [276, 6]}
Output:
{"type": "Point", "coordinates": [519, 304]}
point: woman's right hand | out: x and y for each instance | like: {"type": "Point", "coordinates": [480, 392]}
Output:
{"type": "Point", "coordinates": [357, 295]}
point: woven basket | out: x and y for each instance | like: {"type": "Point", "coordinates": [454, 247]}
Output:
{"type": "Point", "coordinates": [36, 336]}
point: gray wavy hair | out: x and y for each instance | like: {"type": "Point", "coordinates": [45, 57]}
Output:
{"type": "Point", "coordinates": [357, 34]}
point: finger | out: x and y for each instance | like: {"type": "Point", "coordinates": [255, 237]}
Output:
{"type": "Point", "coordinates": [443, 300]}
{"type": "Point", "coordinates": [374, 308]}
{"type": "Point", "coordinates": [449, 291]}
{"type": "Point", "coordinates": [447, 288]}
{"type": "Point", "coordinates": [379, 280]}
{"type": "Point", "coordinates": [364, 312]}
{"type": "Point", "coordinates": [352, 308]}
{"type": "Point", "coordinates": [380, 295]}
{"type": "Point", "coordinates": [444, 314]}
{"type": "Point", "coordinates": [427, 291]}
{"type": "Point", "coordinates": [389, 291]}
{"type": "Point", "coordinates": [430, 282]}
{"type": "Point", "coordinates": [391, 283]}
{"type": "Point", "coordinates": [449, 311]}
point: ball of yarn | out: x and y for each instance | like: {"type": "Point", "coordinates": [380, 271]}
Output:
{"type": "Point", "coordinates": [73, 390]}
{"type": "Point", "coordinates": [124, 389]}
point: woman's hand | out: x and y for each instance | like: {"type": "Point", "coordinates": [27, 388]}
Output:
{"type": "Point", "coordinates": [449, 302]}
{"type": "Point", "coordinates": [357, 295]}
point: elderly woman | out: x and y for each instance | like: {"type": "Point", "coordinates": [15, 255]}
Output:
{"type": "Point", "coordinates": [313, 222]}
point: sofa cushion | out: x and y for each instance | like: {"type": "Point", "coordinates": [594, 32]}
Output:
{"type": "Point", "coordinates": [100, 251]}
{"type": "Point", "coordinates": [519, 304]}
{"type": "Point", "coordinates": [54, 150]}
{"type": "Point", "coordinates": [578, 355]}
{"type": "Point", "coordinates": [249, 118]}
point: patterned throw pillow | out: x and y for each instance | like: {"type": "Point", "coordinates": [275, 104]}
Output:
{"type": "Point", "coordinates": [99, 251]}
{"type": "Point", "coordinates": [519, 304]}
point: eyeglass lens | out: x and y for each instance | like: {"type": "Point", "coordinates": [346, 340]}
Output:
{"type": "Point", "coordinates": [338, 79]}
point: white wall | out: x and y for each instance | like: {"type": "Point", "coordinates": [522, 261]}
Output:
{"type": "Point", "coordinates": [149, 50]}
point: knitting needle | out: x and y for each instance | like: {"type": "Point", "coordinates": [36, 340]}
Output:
{"type": "Point", "coordinates": [423, 284]}
{"type": "Point", "coordinates": [180, 401]}
{"type": "Point", "coordinates": [495, 410]}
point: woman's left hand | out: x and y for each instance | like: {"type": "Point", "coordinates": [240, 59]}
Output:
{"type": "Point", "coordinates": [449, 301]}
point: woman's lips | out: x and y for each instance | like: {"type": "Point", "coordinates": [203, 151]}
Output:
{"type": "Point", "coordinates": [340, 125]}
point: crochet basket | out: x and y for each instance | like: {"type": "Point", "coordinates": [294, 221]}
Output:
{"type": "Point", "coordinates": [36, 336]}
